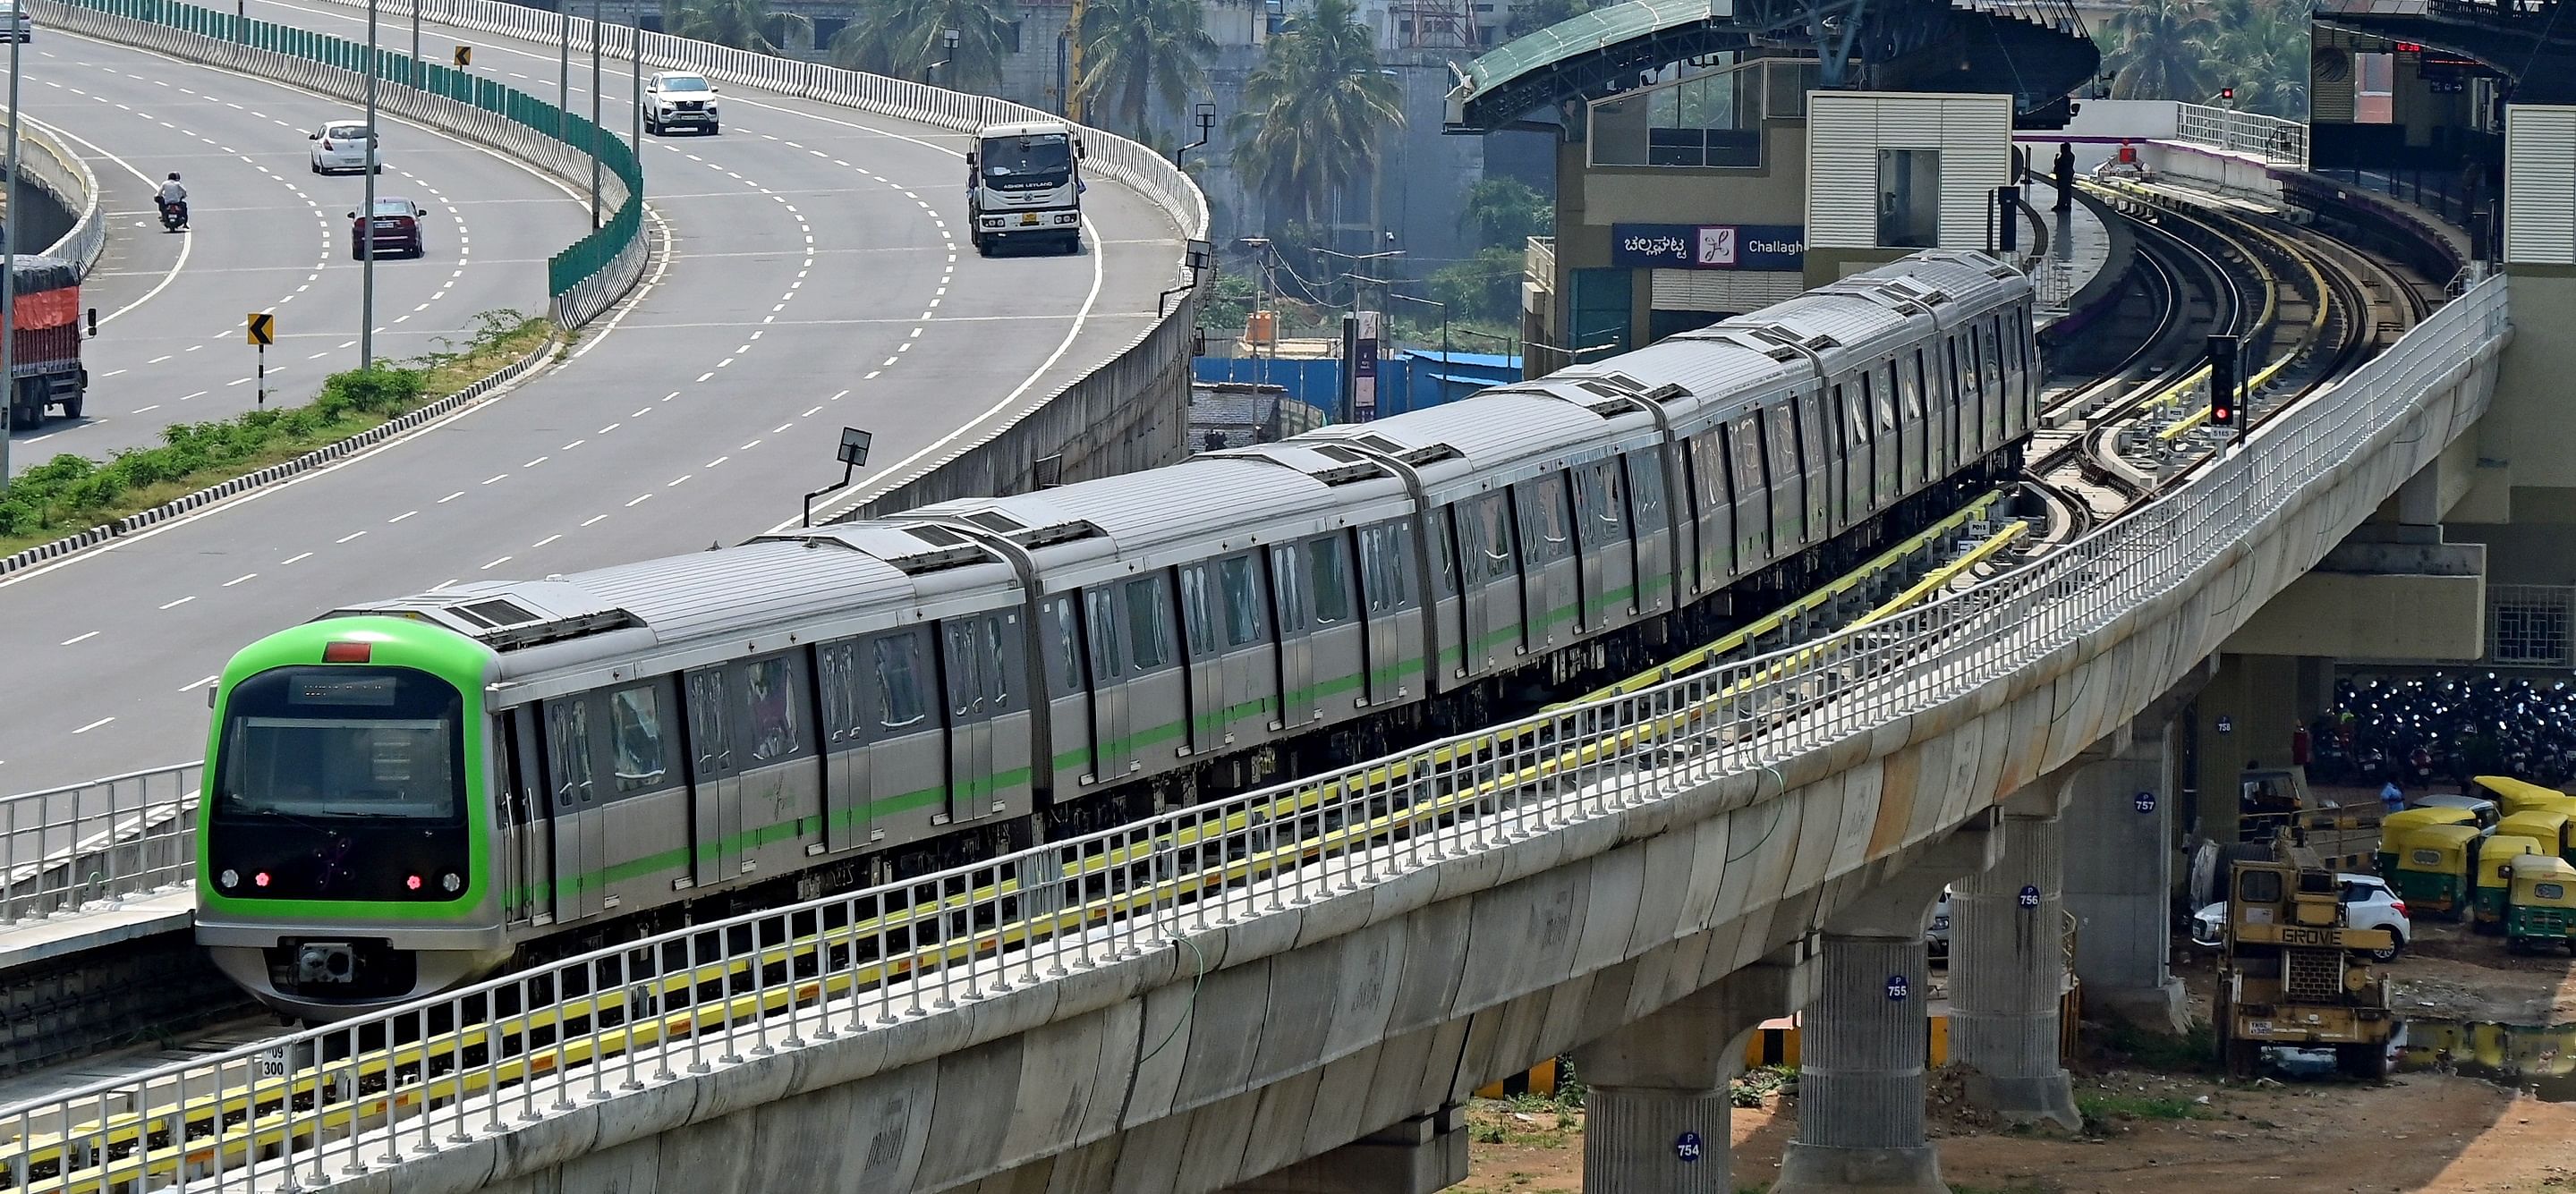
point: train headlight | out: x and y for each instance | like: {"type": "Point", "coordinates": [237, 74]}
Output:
{"type": "Point", "coordinates": [452, 882]}
{"type": "Point", "coordinates": [230, 878]}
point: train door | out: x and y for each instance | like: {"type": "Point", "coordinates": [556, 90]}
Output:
{"type": "Point", "coordinates": [1290, 606]}
{"type": "Point", "coordinates": [1714, 508]}
{"type": "Point", "coordinates": [715, 783]}
{"type": "Point", "coordinates": [1386, 559]}
{"type": "Point", "coordinates": [573, 803]}
{"type": "Point", "coordinates": [1155, 694]}
{"type": "Point", "coordinates": [528, 847]}
{"type": "Point", "coordinates": [1489, 570]}
{"type": "Point", "coordinates": [1445, 659]}
{"type": "Point", "coordinates": [1112, 754]}
{"type": "Point", "coordinates": [1922, 436]}
{"type": "Point", "coordinates": [1653, 528]}
{"type": "Point", "coordinates": [1059, 639]}
{"type": "Point", "coordinates": [2002, 381]}
{"type": "Point", "coordinates": [907, 740]}
{"type": "Point", "coordinates": [1549, 587]}
{"type": "Point", "coordinates": [1887, 475]}
{"type": "Point", "coordinates": [1250, 664]}
{"type": "Point", "coordinates": [1754, 499]}
{"type": "Point", "coordinates": [966, 670]}
{"type": "Point", "coordinates": [845, 756]}
{"type": "Point", "coordinates": [1815, 464]}
{"type": "Point", "coordinates": [1203, 656]}
{"type": "Point", "coordinates": [1603, 534]}
{"type": "Point", "coordinates": [1788, 487]}
{"type": "Point", "coordinates": [777, 766]}
{"type": "Point", "coordinates": [1851, 402]}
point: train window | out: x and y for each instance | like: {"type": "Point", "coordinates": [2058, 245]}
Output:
{"type": "Point", "coordinates": [635, 738]}
{"type": "Point", "coordinates": [1063, 652]}
{"type": "Point", "coordinates": [970, 682]}
{"type": "Point", "coordinates": [1197, 620]}
{"type": "Point", "coordinates": [1853, 402]}
{"type": "Point", "coordinates": [1882, 392]}
{"type": "Point", "coordinates": [1604, 513]}
{"type": "Point", "coordinates": [1002, 649]}
{"type": "Point", "coordinates": [1745, 471]}
{"type": "Point", "coordinates": [568, 750]}
{"type": "Point", "coordinates": [770, 692]}
{"type": "Point", "coordinates": [1545, 538]}
{"type": "Point", "coordinates": [1913, 389]}
{"type": "Point", "coordinates": [901, 671]}
{"type": "Point", "coordinates": [1242, 599]}
{"type": "Point", "coordinates": [1646, 487]}
{"type": "Point", "coordinates": [1288, 588]}
{"type": "Point", "coordinates": [1783, 443]}
{"type": "Point", "coordinates": [1332, 579]}
{"type": "Point", "coordinates": [1377, 572]}
{"type": "Point", "coordinates": [1149, 622]}
{"type": "Point", "coordinates": [1444, 552]}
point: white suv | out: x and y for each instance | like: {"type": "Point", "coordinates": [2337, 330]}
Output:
{"type": "Point", "coordinates": [2367, 904]}
{"type": "Point", "coordinates": [679, 99]}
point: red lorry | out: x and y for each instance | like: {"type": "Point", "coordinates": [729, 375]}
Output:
{"type": "Point", "coordinates": [45, 368]}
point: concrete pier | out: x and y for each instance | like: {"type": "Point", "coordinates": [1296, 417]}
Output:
{"type": "Point", "coordinates": [2008, 971]}
{"type": "Point", "coordinates": [1656, 1114]}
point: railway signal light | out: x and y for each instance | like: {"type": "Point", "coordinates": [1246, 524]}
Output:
{"type": "Point", "coordinates": [2228, 94]}
{"type": "Point", "coordinates": [2222, 381]}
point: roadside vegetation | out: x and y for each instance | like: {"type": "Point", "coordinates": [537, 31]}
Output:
{"type": "Point", "coordinates": [70, 494]}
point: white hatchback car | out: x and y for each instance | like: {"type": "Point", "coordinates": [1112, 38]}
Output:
{"type": "Point", "coordinates": [341, 146]}
{"type": "Point", "coordinates": [2367, 904]}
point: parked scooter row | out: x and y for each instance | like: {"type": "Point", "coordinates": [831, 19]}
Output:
{"type": "Point", "coordinates": [2419, 732]}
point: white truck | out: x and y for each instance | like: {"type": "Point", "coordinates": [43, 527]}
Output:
{"type": "Point", "coordinates": [1024, 182]}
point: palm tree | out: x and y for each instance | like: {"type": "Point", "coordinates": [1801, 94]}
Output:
{"type": "Point", "coordinates": [1133, 50]}
{"type": "Point", "coordinates": [1312, 110]}
{"type": "Point", "coordinates": [742, 24]}
{"type": "Point", "coordinates": [2162, 52]}
{"type": "Point", "coordinates": [909, 38]}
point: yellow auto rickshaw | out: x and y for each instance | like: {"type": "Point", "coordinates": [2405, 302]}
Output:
{"type": "Point", "coordinates": [2433, 868]}
{"type": "Point", "coordinates": [2541, 910]}
{"type": "Point", "coordinates": [2491, 857]}
{"type": "Point", "coordinates": [2404, 821]}
{"type": "Point", "coordinates": [2514, 795]}
{"type": "Point", "coordinates": [2551, 828]}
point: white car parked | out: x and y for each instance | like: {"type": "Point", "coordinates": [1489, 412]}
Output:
{"type": "Point", "coordinates": [2367, 904]}
{"type": "Point", "coordinates": [341, 147]}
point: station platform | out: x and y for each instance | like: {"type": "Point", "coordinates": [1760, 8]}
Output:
{"type": "Point", "coordinates": [135, 918]}
{"type": "Point", "coordinates": [2079, 247]}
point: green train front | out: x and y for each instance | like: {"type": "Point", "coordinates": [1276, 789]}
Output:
{"type": "Point", "coordinates": [343, 850]}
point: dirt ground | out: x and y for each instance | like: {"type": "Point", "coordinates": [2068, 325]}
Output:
{"type": "Point", "coordinates": [2146, 1132]}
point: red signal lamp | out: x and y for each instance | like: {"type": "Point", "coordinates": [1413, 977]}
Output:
{"type": "Point", "coordinates": [412, 882]}
{"type": "Point", "coordinates": [260, 879]}
{"type": "Point", "coordinates": [347, 652]}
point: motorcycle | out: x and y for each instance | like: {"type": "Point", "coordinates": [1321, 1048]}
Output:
{"type": "Point", "coordinates": [174, 213]}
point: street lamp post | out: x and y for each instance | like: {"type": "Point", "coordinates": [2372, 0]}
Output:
{"type": "Point", "coordinates": [1204, 114]}
{"type": "Point", "coordinates": [366, 223]}
{"type": "Point", "coordinates": [635, 55]}
{"type": "Point", "coordinates": [948, 44]}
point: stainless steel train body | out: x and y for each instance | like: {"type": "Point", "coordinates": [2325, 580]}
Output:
{"type": "Point", "coordinates": [661, 731]}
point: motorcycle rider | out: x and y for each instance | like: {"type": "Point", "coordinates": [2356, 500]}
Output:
{"type": "Point", "coordinates": [173, 195]}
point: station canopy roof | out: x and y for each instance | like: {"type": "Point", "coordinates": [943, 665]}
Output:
{"type": "Point", "coordinates": [1533, 71]}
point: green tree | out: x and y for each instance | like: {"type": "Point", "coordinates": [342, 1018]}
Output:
{"type": "Point", "coordinates": [1506, 212]}
{"type": "Point", "coordinates": [742, 24]}
{"type": "Point", "coordinates": [1483, 287]}
{"type": "Point", "coordinates": [1134, 51]}
{"type": "Point", "coordinates": [909, 38]}
{"type": "Point", "coordinates": [1312, 111]}
{"type": "Point", "coordinates": [2161, 51]}
{"type": "Point", "coordinates": [2263, 46]}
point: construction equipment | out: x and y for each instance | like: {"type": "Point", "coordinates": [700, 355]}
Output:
{"type": "Point", "coordinates": [2292, 973]}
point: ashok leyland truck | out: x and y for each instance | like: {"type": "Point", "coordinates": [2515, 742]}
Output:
{"type": "Point", "coordinates": [1024, 182]}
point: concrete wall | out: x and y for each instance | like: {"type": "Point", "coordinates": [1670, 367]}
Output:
{"type": "Point", "coordinates": [1240, 1049]}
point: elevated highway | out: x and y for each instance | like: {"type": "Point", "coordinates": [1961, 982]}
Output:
{"type": "Point", "coordinates": [812, 276]}
{"type": "Point", "coordinates": [267, 235]}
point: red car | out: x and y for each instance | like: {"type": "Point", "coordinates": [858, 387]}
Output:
{"type": "Point", "coordinates": [397, 228]}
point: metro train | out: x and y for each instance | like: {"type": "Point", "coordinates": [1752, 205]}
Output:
{"type": "Point", "coordinates": [405, 794]}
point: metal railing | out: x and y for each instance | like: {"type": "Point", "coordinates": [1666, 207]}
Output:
{"type": "Point", "coordinates": [2280, 142]}
{"type": "Point", "coordinates": [582, 279]}
{"type": "Point", "coordinates": [67, 848]}
{"type": "Point", "coordinates": [328, 1103]}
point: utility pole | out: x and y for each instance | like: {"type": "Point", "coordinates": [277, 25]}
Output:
{"type": "Point", "coordinates": [413, 73]}
{"type": "Point", "coordinates": [635, 54]}
{"type": "Point", "coordinates": [563, 70]}
{"type": "Point", "coordinates": [367, 213]}
{"type": "Point", "coordinates": [9, 280]}
{"type": "Point", "coordinates": [596, 133]}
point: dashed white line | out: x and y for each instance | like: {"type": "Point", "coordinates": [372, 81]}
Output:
{"type": "Point", "coordinates": [494, 477]}
{"type": "Point", "coordinates": [542, 542]}
{"type": "Point", "coordinates": [349, 536]}
{"type": "Point", "coordinates": [293, 558]}
{"type": "Point", "coordinates": [80, 638]}
{"type": "Point", "coordinates": [496, 563]}
{"type": "Point", "coordinates": [593, 518]}
{"type": "Point", "coordinates": [93, 725]}
{"type": "Point", "coordinates": [238, 579]}
{"type": "Point", "coordinates": [640, 500]}
{"type": "Point", "coordinates": [180, 602]}
{"type": "Point", "coordinates": [399, 517]}
{"type": "Point", "coordinates": [194, 685]}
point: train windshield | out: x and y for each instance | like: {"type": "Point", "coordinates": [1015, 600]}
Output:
{"type": "Point", "coordinates": [378, 743]}
{"type": "Point", "coordinates": [1041, 161]}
